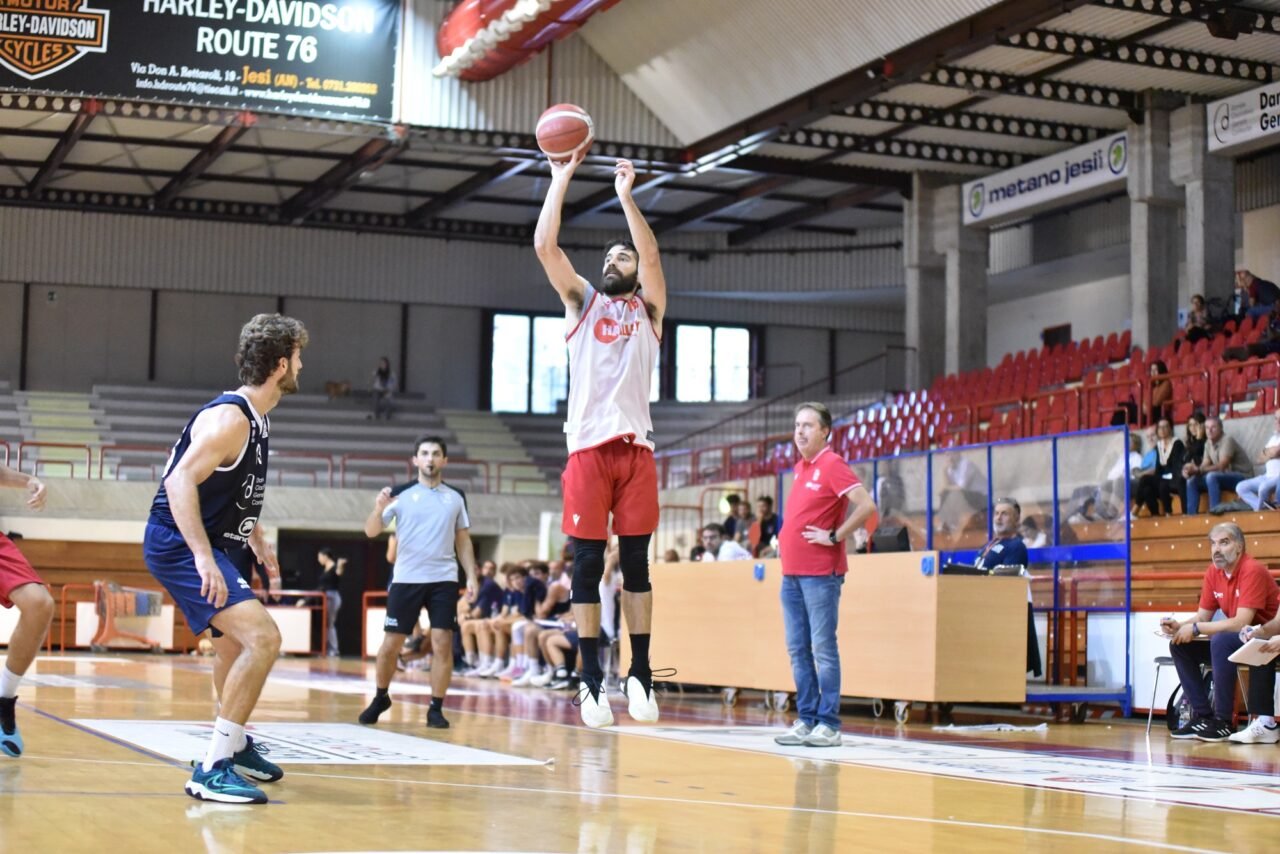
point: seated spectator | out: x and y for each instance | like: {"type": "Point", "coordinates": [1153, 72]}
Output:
{"type": "Point", "coordinates": [1085, 512]}
{"type": "Point", "coordinates": [493, 636]}
{"type": "Point", "coordinates": [1032, 536]}
{"type": "Point", "coordinates": [385, 386]}
{"type": "Point", "coordinates": [1254, 297]}
{"type": "Point", "coordinates": [718, 547]}
{"type": "Point", "coordinates": [1156, 490]}
{"type": "Point", "coordinates": [671, 556]}
{"type": "Point", "coordinates": [550, 614]}
{"type": "Point", "coordinates": [730, 523]}
{"type": "Point", "coordinates": [560, 573]}
{"type": "Point", "coordinates": [1198, 320]}
{"type": "Point", "coordinates": [962, 494]}
{"type": "Point", "coordinates": [486, 605]}
{"type": "Point", "coordinates": [743, 522]}
{"type": "Point", "coordinates": [696, 553]}
{"type": "Point", "coordinates": [1196, 437]}
{"type": "Point", "coordinates": [1242, 589]}
{"type": "Point", "coordinates": [1225, 464]}
{"type": "Point", "coordinates": [768, 523]}
{"type": "Point", "coordinates": [1260, 492]}
{"type": "Point", "coordinates": [1161, 391]}
{"type": "Point", "coordinates": [1127, 468]}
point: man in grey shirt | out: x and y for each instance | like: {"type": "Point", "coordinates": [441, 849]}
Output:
{"type": "Point", "coordinates": [431, 539]}
{"type": "Point", "coordinates": [1225, 464]}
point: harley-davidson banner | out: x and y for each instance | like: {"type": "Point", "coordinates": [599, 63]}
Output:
{"type": "Point", "coordinates": [334, 59]}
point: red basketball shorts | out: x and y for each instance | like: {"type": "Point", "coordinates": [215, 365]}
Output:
{"type": "Point", "coordinates": [15, 571]}
{"type": "Point", "coordinates": [618, 477]}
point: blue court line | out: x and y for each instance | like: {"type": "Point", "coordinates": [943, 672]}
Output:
{"type": "Point", "coordinates": [105, 737]}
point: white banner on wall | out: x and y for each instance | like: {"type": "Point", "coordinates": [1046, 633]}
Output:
{"type": "Point", "coordinates": [1245, 121]}
{"type": "Point", "coordinates": [1089, 169]}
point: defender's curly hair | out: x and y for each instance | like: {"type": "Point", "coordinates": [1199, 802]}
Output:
{"type": "Point", "coordinates": [264, 341]}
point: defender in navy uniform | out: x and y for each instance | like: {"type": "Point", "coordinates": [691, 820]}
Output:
{"type": "Point", "coordinates": [207, 510]}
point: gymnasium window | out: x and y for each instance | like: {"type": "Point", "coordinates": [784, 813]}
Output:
{"type": "Point", "coordinates": [713, 363]}
{"type": "Point", "coordinates": [530, 364]}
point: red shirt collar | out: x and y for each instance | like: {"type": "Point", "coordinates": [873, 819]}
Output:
{"type": "Point", "coordinates": [816, 457]}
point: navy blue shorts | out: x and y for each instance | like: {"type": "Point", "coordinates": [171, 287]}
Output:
{"type": "Point", "coordinates": [174, 566]}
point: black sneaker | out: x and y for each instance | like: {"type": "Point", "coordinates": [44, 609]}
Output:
{"type": "Point", "coordinates": [379, 705]}
{"type": "Point", "coordinates": [1187, 730]}
{"type": "Point", "coordinates": [1213, 729]}
{"type": "Point", "coordinates": [436, 719]}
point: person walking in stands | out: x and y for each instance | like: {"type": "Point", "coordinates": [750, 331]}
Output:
{"type": "Point", "coordinates": [20, 586]}
{"type": "Point", "coordinates": [827, 504]}
{"type": "Point", "coordinates": [614, 332]}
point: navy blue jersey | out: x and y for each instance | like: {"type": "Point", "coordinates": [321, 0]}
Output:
{"type": "Point", "coordinates": [231, 497]}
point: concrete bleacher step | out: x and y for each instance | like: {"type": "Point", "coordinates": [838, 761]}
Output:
{"type": "Point", "coordinates": [485, 436]}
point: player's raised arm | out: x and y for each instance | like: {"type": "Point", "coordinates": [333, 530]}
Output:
{"type": "Point", "coordinates": [570, 286]}
{"type": "Point", "coordinates": [217, 438]}
{"type": "Point", "coordinates": [652, 279]}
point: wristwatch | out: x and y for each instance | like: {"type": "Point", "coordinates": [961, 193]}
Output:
{"type": "Point", "coordinates": [1195, 630]}
{"type": "Point", "coordinates": [832, 536]}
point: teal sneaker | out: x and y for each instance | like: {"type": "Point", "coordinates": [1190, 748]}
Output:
{"type": "Point", "coordinates": [252, 764]}
{"type": "Point", "coordinates": [11, 742]}
{"type": "Point", "coordinates": [223, 784]}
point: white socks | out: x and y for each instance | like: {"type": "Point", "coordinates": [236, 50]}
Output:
{"type": "Point", "coordinates": [228, 738]}
{"type": "Point", "coordinates": [9, 683]}
{"type": "Point", "coordinates": [1265, 720]}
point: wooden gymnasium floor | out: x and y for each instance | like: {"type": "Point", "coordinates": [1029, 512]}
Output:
{"type": "Point", "coordinates": [528, 778]}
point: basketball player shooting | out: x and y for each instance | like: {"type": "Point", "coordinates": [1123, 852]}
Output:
{"type": "Point", "coordinates": [613, 333]}
{"type": "Point", "coordinates": [206, 510]}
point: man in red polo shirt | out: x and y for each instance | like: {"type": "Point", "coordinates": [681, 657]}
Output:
{"type": "Point", "coordinates": [1242, 589]}
{"type": "Point", "coordinates": [811, 545]}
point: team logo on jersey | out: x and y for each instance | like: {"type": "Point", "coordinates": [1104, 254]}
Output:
{"type": "Point", "coordinates": [39, 37]}
{"type": "Point", "coordinates": [246, 527]}
{"type": "Point", "coordinates": [576, 517]}
{"type": "Point", "coordinates": [607, 330]}
{"type": "Point", "coordinates": [817, 473]}
{"type": "Point", "coordinates": [258, 451]}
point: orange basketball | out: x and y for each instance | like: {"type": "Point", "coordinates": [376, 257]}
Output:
{"type": "Point", "coordinates": [563, 131]}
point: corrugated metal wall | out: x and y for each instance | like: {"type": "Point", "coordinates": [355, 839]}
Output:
{"type": "Point", "coordinates": [1082, 229]}
{"type": "Point", "coordinates": [115, 250]}
{"type": "Point", "coordinates": [514, 101]}
{"type": "Point", "coordinates": [1258, 182]}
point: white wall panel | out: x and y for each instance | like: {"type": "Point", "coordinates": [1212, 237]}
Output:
{"type": "Point", "coordinates": [1093, 308]}
{"type": "Point", "coordinates": [347, 339]}
{"type": "Point", "coordinates": [197, 334]}
{"type": "Point", "coordinates": [513, 102]}
{"type": "Point", "coordinates": [444, 355]}
{"type": "Point", "coordinates": [80, 336]}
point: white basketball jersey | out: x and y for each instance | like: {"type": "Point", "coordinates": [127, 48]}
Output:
{"type": "Point", "coordinates": [612, 352]}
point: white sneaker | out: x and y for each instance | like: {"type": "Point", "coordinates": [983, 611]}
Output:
{"type": "Point", "coordinates": [525, 680]}
{"type": "Point", "coordinates": [641, 704]}
{"type": "Point", "coordinates": [543, 679]}
{"type": "Point", "coordinates": [823, 736]}
{"type": "Point", "coordinates": [491, 670]}
{"type": "Point", "coordinates": [594, 707]}
{"type": "Point", "coordinates": [795, 736]}
{"type": "Point", "coordinates": [506, 672]}
{"type": "Point", "coordinates": [1256, 733]}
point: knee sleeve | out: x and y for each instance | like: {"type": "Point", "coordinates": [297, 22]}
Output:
{"type": "Point", "coordinates": [633, 556]}
{"type": "Point", "coordinates": [588, 569]}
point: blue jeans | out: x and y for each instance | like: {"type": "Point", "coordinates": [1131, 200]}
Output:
{"type": "Point", "coordinates": [1215, 482]}
{"type": "Point", "coordinates": [810, 611]}
{"type": "Point", "coordinates": [1257, 490]}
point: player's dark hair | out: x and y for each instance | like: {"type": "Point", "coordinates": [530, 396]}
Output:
{"type": "Point", "coordinates": [264, 341]}
{"type": "Point", "coordinates": [433, 439]}
{"type": "Point", "coordinates": [624, 243]}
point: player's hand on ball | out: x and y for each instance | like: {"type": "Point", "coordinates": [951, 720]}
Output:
{"type": "Point", "coordinates": [213, 587]}
{"type": "Point", "coordinates": [39, 494]}
{"type": "Point", "coordinates": [624, 178]}
{"type": "Point", "coordinates": [566, 168]}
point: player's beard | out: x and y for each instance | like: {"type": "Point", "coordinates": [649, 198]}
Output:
{"type": "Point", "coordinates": [614, 284]}
{"type": "Point", "coordinates": [289, 382]}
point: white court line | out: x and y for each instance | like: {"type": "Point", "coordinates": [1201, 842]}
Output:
{"type": "Point", "coordinates": [1012, 828]}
